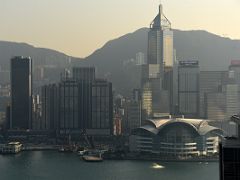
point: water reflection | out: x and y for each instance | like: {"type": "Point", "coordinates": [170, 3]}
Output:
{"type": "Point", "coordinates": [157, 166]}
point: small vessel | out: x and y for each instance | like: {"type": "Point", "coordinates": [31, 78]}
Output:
{"type": "Point", "coordinates": [61, 149]}
{"type": "Point", "coordinates": [157, 166]}
{"type": "Point", "coordinates": [64, 149]}
{"type": "Point", "coordinates": [93, 156]}
{"type": "Point", "coordinates": [83, 152]}
{"type": "Point", "coordinates": [88, 158]}
{"type": "Point", "coordinates": [11, 148]}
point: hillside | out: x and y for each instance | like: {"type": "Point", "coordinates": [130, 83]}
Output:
{"type": "Point", "coordinates": [212, 51]}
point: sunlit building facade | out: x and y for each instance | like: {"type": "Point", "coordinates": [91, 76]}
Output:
{"type": "Point", "coordinates": [210, 85]}
{"type": "Point", "coordinates": [168, 54]}
{"type": "Point", "coordinates": [215, 106]}
{"type": "Point", "coordinates": [232, 100]}
{"type": "Point", "coordinates": [146, 92]}
{"type": "Point", "coordinates": [160, 41]}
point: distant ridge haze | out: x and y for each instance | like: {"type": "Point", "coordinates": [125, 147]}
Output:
{"type": "Point", "coordinates": [78, 27]}
{"type": "Point", "coordinates": [213, 53]}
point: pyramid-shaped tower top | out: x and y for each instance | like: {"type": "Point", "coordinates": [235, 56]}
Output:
{"type": "Point", "coordinates": [160, 21]}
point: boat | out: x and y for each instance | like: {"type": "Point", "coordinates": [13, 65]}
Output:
{"type": "Point", "coordinates": [83, 152]}
{"type": "Point", "coordinates": [11, 148]}
{"type": "Point", "coordinates": [61, 149]}
{"type": "Point", "coordinates": [89, 158]}
{"type": "Point", "coordinates": [64, 149]}
{"type": "Point", "coordinates": [92, 156]}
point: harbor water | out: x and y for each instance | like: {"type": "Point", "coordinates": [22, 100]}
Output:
{"type": "Point", "coordinates": [51, 165]}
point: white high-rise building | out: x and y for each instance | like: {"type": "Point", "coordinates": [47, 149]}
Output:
{"type": "Point", "coordinates": [140, 58]}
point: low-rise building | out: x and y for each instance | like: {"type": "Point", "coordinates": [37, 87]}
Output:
{"type": "Point", "coordinates": [176, 137]}
{"type": "Point", "coordinates": [11, 148]}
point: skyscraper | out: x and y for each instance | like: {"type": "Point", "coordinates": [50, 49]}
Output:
{"type": "Point", "coordinates": [160, 55]}
{"type": "Point", "coordinates": [232, 100]}
{"type": "Point", "coordinates": [235, 69]}
{"type": "Point", "coordinates": [229, 156]}
{"type": "Point", "coordinates": [84, 73]}
{"type": "Point", "coordinates": [160, 41]}
{"type": "Point", "coordinates": [140, 58]}
{"type": "Point", "coordinates": [215, 106]}
{"type": "Point", "coordinates": [50, 107]}
{"type": "Point", "coordinates": [188, 88]}
{"type": "Point", "coordinates": [21, 93]}
{"type": "Point", "coordinates": [101, 108]}
{"type": "Point", "coordinates": [75, 105]}
{"type": "Point", "coordinates": [210, 82]}
{"type": "Point", "coordinates": [78, 104]}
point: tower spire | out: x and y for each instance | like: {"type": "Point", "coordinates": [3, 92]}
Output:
{"type": "Point", "coordinates": [160, 14]}
{"type": "Point", "coordinates": [160, 9]}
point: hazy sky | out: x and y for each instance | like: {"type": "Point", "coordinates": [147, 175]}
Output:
{"type": "Point", "coordinates": [78, 27]}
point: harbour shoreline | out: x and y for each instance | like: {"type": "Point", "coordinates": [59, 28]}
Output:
{"type": "Point", "coordinates": [126, 158]}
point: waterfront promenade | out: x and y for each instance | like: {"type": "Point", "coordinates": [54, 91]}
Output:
{"type": "Point", "coordinates": [127, 156]}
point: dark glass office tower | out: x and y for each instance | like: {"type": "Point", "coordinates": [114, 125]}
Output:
{"type": "Point", "coordinates": [84, 78]}
{"type": "Point", "coordinates": [21, 93]}
{"type": "Point", "coordinates": [102, 108]}
{"type": "Point", "coordinates": [78, 104]}
{"type": "Point", "coordinates": [188, 88]}
{"type": "Point", "coordinates": [229, 157]}
{"type": "Point", "coordinates": [50, 107]}
{"type": "Point", "coordinates": [75, 105]}
{"type": "Point", "coordinates": [230, 160]}
{"type": "Point", "coordinates": [84, 73]}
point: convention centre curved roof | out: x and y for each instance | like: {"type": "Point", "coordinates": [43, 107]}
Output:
{"type": "Point", "coordinates": [201, 127]}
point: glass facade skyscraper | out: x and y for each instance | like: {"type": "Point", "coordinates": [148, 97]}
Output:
{"type": "Point", "coordinates": [210, 82]}
{"type": "Point", "coordinates": [188, 88]}
{"type": "Point", "coordinates": [50, 107]}
{"type": "Point", "coordinates": [155, 98]}
{"type": "Point", "coordinates": [101, 108]}
{"type": "Point", "coordinates": [21, 93]}
{"type": "Point", "coordinates": [229, 155]}
{"type": "Point", "coordinates": [75, 105]}
{"type": "Point", "coordinates": [79, 104]}
{"type": "Point", "coordinates": [160, 41]}
{"type": "Point", "coordinates": [84, 73]}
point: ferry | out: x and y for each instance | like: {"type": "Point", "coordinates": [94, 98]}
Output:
{"type": "Point", "coordinates": [11, 148]}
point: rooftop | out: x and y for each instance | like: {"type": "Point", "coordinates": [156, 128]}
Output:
{"type": "Point", "coordinates": [200, 126]}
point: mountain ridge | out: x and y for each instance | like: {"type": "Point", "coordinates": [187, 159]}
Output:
{"type": "Point", "coordinates": [213, 52]}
